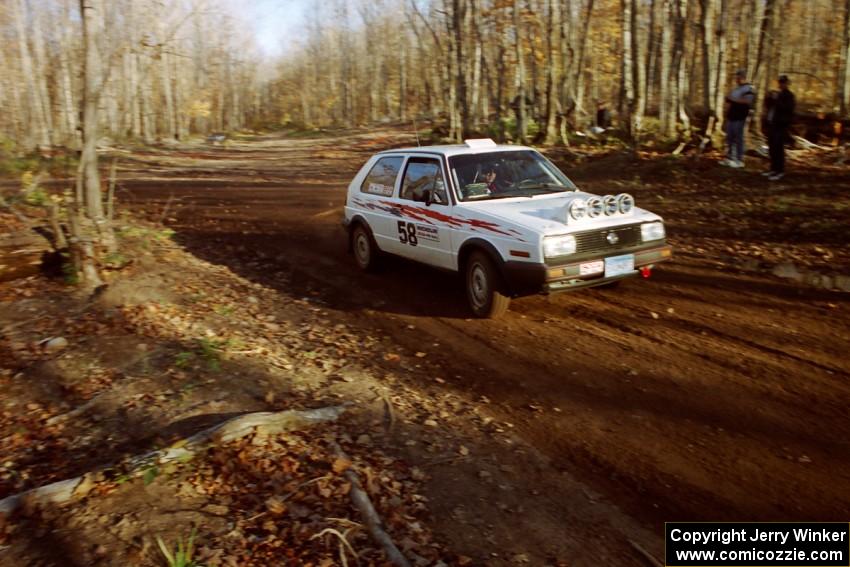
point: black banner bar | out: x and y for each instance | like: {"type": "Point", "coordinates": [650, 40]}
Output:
{"type": "Point", "coordinates": [750, 544]}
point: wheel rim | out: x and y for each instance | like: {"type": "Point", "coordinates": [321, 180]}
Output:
{"type": "Point", "coordinates": [361, 249]}
{"type": "Point", "coordinates": [479, 288]}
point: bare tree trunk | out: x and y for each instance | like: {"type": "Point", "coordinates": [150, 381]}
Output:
{"type": "Point", "coordinates": [402, 82]}
{"type": "Point", "coordinates": [92, 86]}
{"type": "Point", "coordinates": [583, 31]}
{"type": "Point", "coordinates": [652, 49]}
{"type": "Point", "coordinates": [488, 82]}
{"type": "Point", "coordinates": [639, 67]}
{"type": "Point", "coordinates": [89, 218]}
{"type": "Point", "coordinates": [458, 17]}
{"type": "Point", "coordinates": [10, 98]}
{"type": "Point", "coordinates": [666, 117]}
{"type": "Point", "coordinates": [66, 86]}
{"type": "Point", "coordinates": [720, 74]}
{"type": "Point", "coordinates": [132, 65]}
{"type": "Point", "coordinates": [844, 62]}
{"type": "Point", "coordinates": [520, 75]}
{"type": "Point", "coordinates": [475, 103]}
{"type": "Point", "coordinates": [709, 58]}
{"type": "Point", "coordinates": [628, 77]}
{"type": "Point", "coordinates": [36, 111]}
{"type": "Point", "coordinates": [762, 51]}
{"type": "Point", "coordinates": [179, 117]}
{"type": "Point", "coordinates": [305, 103]}
{"type": "Point", "coordinates": [567, 64]}
{"type": "Point", "coordinates": [373, 53]}
{"type": "Point", "coordinates": [42, 96]}
{"type": "Point", "coordinates": [553, 27]}
{"type": "Point", "coordinates": [756, 10]}
{"type": "Point", "coordinates": [165, 75]}
{"type": "Point", "coordinates": [679, 102]}
{"type": "Point", "coordinates": [501, 70]}
{"type": "Point", "coordinates": [533, 91]}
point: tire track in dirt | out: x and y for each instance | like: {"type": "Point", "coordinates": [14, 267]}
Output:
{"type": "Point", "coordinates": [715, 345]}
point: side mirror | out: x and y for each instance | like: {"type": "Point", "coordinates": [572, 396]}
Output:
{"type": "Point", "coordinates": [428, 197]}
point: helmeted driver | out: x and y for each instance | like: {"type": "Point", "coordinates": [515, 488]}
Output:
{"type": "Point", "coordinates": [489, 176]}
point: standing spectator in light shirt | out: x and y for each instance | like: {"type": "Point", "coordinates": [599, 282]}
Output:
{"type": "Point", "coordinates": [738, 105]}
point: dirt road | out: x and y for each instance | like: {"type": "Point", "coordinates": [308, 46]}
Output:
{"type": "Point", "coordinates": [704, 393]}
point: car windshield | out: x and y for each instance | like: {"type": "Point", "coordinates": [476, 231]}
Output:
{"type": "Point", "coordinates": [499, 175]}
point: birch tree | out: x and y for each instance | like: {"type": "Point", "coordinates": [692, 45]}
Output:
{"type": "Point", "coordinates": [843, 87]}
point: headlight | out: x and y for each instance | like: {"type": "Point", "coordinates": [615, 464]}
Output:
{"type": "Point", "coordinates": [625, 203]}
{"type": "Point", "coordinates": [559, 245]}
{"type": "Point", "coordinates": [578, 208]}
{"type": "Point", "coordinates": [609, 203]}
{"type": "Point", "coordinates": [652, 231]}
{"type": "Point", "coordinates": [594, 207]}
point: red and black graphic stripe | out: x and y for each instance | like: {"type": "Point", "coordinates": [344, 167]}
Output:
{"type": "Point", "coordinates": [428, 215]}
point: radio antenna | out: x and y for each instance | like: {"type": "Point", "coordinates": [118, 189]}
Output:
{"type": "Point", "coordinates": [416, 132]}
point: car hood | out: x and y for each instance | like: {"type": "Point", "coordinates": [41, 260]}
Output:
{"type": "Point", "coordinates": [548, 214]}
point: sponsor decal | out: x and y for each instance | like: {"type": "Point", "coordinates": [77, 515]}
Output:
{"type": "Point", "coordinates": [426, 232]}
{"type": "Point", "coordinates": [380, 189]}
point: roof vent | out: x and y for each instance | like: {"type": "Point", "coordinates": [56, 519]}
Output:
{"type": "Point", "coordinates": [480, 143]}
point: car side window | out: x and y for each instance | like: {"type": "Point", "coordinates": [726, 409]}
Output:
{"type": "Point", "coordinates": [421, 177]}
{"type": "Point", "coordinates": [381, 178]}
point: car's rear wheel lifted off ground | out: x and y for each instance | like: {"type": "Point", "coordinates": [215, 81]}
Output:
{"type": "Point", "coordinates": [484, 287]}
{"type": "Point", "coordinates": [365, 252]}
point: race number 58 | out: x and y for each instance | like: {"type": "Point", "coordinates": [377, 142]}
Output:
{"type": "Point", "coordinates": [407, 233]}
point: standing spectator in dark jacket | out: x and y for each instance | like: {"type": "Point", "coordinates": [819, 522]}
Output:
{"type": "Point", "coordinates": [738, 105]}
{"type": "Point", "coordinates": [603, 115]}
{"type": "Point", "coordinates": [779, 106]}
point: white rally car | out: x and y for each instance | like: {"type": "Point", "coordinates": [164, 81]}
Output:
{"type": "Point", "coordinates": [503, 216]}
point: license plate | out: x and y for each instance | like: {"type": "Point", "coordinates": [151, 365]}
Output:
{"type": "Point", "coordinates": [619, 265]}
{"type": "Point", "coordinates": [594, 267]}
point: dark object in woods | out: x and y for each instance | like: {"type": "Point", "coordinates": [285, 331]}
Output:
{"type": "Point", "coordinates": [603, 115]}
{"type": "Point", "coordinates": [53, 264]}
{"type": "Point", "coordinates": [823, 128]}
{"type": "Point", "coordinates": [216, 138]}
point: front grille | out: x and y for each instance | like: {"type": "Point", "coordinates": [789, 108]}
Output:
{"type": "Point", "coordinates": [597, 240]}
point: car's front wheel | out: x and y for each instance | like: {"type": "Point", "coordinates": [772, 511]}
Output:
{"type": "Point", "coordinates": [484, 288]}
{"type": "Point", "coordinates": [365, 251]}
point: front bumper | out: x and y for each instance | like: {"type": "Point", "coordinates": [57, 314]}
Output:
{"type": "Point", "coordinates": [523, 278]}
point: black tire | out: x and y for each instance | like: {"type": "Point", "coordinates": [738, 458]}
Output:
{"type": "Point", "coordinates": [366, 253]}
{"type": "Point", "coordinates": [484, 287]}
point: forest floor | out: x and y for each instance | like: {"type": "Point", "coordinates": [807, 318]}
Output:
{"type": "Point", "coordinates": [565, 433]}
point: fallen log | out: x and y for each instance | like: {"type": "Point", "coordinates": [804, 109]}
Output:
{"type": "Point", "coordinates": [807, 145]}
{"type": "Point", "coordinates": [261, 423]}
{"type": "Point", "coordinates": [370, 516]}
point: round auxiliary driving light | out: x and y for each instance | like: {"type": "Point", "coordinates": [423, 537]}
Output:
{"type": "Point", "coordinates": [594, 207]}
{"type": "Point", "coordinates": [609, 204]}
{"type": "Point", "coordinates": [578, 208]}
{"type": "Point", "coordinates": [625, 203]}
